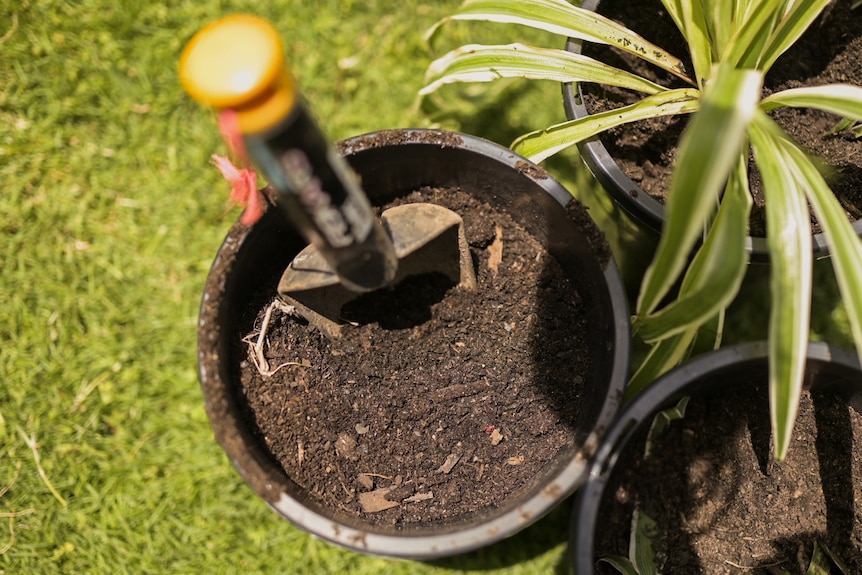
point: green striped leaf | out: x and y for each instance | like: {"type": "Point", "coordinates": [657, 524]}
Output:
{"type": "Point", "coordinates": [841, 99]}
{"type": "Point", "coordinates": [845, 247]}
{"type": "Point", "coordinates": [800, 17]}
{"type": "Point", "coordinates": [716, 272]}
{"type": "Point", "coordinates": [721, 20]}
{"type": "Point", "coordinates": [542, 144]}
{"type": "Point", "coordinates": [709, 149]}
{"type": "Point", "coordinates": [478, 63]}
{"type": "Point", "coordinates": [560, 17]}
{"type": "Point", "coordinates": [849, 124]}
{"type": "Point", "coordinates": [696, 32]}
{"type": "Point", "coordinates": [752, 33]}
{"type": "Point", "coordinates": [790, 252]}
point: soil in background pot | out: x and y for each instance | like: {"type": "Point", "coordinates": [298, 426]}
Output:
{"type": "Point", "coordinates": [725, 506]}
{"type": "Point", "coordinates": [827, 53]}
{"type": "Point", "coordinates": [437, 403]}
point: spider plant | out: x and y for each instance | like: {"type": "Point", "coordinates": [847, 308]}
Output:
{"type": "Point", "coordinates": [732, 44]}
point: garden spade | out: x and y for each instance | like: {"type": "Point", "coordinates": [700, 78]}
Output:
{"type": "Point", "coordinates": [236, 65]}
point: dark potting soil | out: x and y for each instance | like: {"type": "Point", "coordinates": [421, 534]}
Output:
{"type": "Point", "coordinates": [438, 402]}
{"type": "Point", "coordinates": [724, 506]}
{"type": "Point", "coordinates": [829, 52]}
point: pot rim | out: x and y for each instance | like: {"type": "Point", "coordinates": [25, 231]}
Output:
{"type": "Point", "coordinates": [642, 207]}
{"type": "Point", "coordinates": [686, 379]}
{"type": "Point", "coordinates": [268, 482]}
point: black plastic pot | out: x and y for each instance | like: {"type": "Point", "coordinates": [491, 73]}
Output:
{"type": "Point", "coordinates": [390, 164]}
{"type": "Point", "coordinates": [831, 370]}
{"type": "Point", "coordinates": [643, 208]}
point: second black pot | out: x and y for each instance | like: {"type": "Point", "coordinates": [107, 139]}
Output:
{"type": "Point", "coordinates": [726, 373]}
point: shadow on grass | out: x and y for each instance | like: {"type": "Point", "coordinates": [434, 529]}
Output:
{"type": "Point", "coordinates": [501, 111]}
{"type": "Point", "coordinates": [539, 538]}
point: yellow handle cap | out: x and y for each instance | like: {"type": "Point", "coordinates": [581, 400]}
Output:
{"type": "Point", "coordinates": [237, 63]}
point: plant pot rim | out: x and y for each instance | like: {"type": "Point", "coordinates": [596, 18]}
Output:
{"type": "Point", "coordinates": [642, 207]}
{"type": "Point", "coordinates": [684, 380]}
{"type": "Point", "coordinates": [270, 482]}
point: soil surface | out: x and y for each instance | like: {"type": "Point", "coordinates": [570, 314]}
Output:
{"type": "Point", "coordinates": [437, 403]}
{"type": "Point", "coordinates": [827, 53]}
{"type": "Point", "coordinates": [725, 506]}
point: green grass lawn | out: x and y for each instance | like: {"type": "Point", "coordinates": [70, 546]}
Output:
{"type": "Point", "coordinates": [110, 215]}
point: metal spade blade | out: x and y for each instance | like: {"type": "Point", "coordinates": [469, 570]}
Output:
{"type": "Point", "coordinates": [427, 238]}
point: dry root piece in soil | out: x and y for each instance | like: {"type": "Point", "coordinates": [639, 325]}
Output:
{"type": "Point", "coordinates": [255, 347]}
